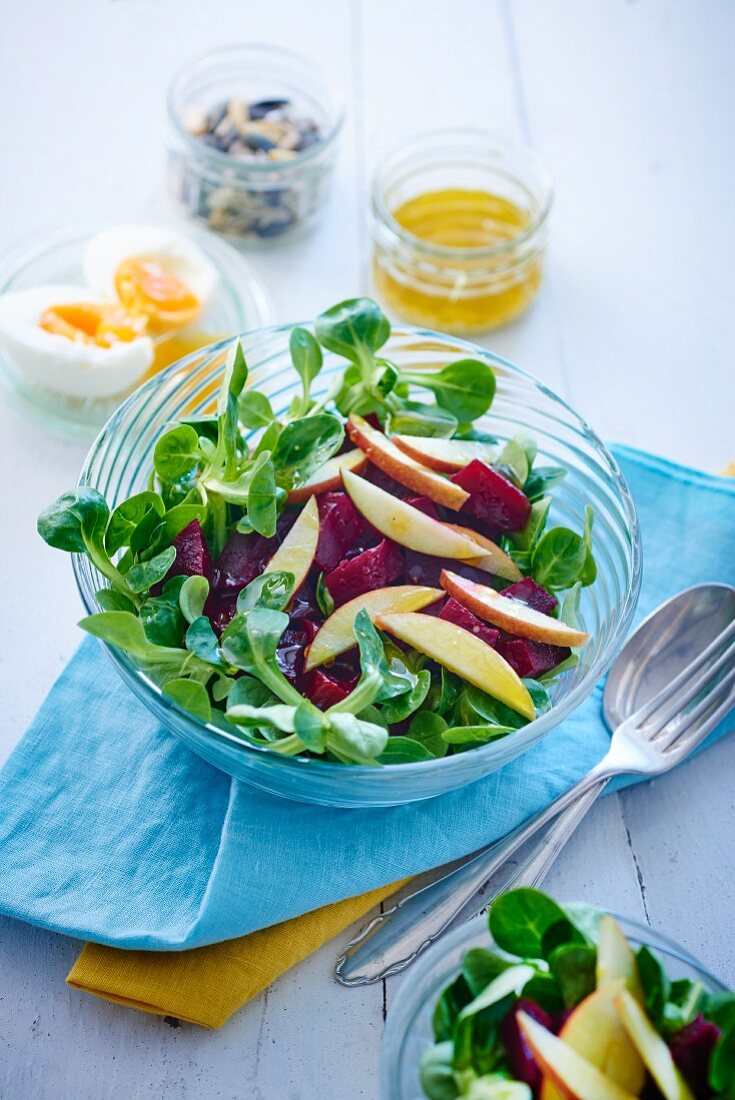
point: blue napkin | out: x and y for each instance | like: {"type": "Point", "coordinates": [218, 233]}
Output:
{"type": "Point", "coordinates": [111, 830]}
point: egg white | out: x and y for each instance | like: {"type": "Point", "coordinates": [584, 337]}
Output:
{"type": "Point", "coordinates": [57, 363]}
{"type": "Point", "coordinates": [176, 253]}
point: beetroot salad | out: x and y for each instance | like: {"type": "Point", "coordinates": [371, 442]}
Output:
{"type": "Point", "coordinates": [367, 577]}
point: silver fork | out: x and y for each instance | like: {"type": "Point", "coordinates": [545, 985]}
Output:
{"type": "Point", "coordinates": [655, 738]}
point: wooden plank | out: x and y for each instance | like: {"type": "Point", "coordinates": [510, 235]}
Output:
{"type": "Point", "coordinates": [435, 69]}
{"type": "Point", "coordinates": [681, 830]}
{"type": "Point", "coordinates": [625, 102]}
{"type": "Point", "coordinates": [106, 150]}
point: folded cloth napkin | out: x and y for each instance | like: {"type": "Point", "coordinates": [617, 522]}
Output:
{"type": "Point", "coordinates": [111, 830]}
{"type": "Point", "coordinates": [207, 984]}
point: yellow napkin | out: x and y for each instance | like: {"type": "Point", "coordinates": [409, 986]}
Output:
{"type": "Point", "coordinates": [207, 984]}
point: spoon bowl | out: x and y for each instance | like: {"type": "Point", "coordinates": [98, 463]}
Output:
{"type": "Point", "coordinates": [663, 645]}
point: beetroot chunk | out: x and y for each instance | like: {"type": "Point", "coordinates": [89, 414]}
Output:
{"type": "Point", "coordinates": [340, 524]}
{"type": "Point", "coordinates": [243, 559]}
{"type": "Point", "coordinates": [384, 481]}
{"type": "Point", "coordinates": [493, 499]}
{"type": "Point", "coordinates": [531, 659]}
{"type": "Point", "coordinates": [374, 568]}
{"type": "Point", "coordinates": [426, 506]}
{"type": "Point", "coordinates": [453, 612]}
{"type": "Point", "coordinates": [192, 553]}
{"type": "Point", "coordinates": [522, 1062]}
{"type": "Point", "coordinates": [327, 688]}
{"type": "Point", "coordinates": [220, 610]}
{"type": "Point", "coordinates": [425, 569]}
{"type": "Point", "coordinates": [531, 594]}
{"type": "Point", "coordinates": [691, 1049]}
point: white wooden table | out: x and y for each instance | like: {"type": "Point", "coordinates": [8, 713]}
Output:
{"type": "Point", "coordinates": [629, 103]}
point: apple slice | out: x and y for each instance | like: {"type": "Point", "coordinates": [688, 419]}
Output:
{"type": "Point", "coordinates": [406, 525]}
{"type": "Point", "coordinates": [494, 560]}
{"type": "Point", "coordinates": [384, 454]}
{"type": "Point", "coordinates": [296, 552]}
{"type": "Point", "coordinates": [572, 1075]}
{"type": "Point", "coordinates": [463, 653]}
{"type": "Point", "coordinates": [328, 476]}
{"type": "Point", "coordinates": [652, 1048]}
{"type": "Point", "coordinates": [616, 961]}
{"type": "Point", "coordinates": [337, 634]}
{"type": "Point", "coordinates": [595, 1031]}
{"type": "Point", "coordinates": [445, 455]}
{"type": "Point", "coordinates": [511, 615]}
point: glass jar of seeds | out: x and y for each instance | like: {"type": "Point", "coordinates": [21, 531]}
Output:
{"type": "Point", "coordinates": [252, 140]}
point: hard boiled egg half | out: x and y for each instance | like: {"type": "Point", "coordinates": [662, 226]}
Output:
{"type": "Point", "coordinates": [65, 343]}
{"type": "Point", "coordinates": [153, 271]}
{"type": "Point", "coordinates": [98, 340]}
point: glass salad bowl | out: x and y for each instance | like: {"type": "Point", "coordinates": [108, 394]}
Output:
{"type": "Point", "coordinates": [56, 257]}
{"type": "Point", "coordinates": [119, 463]}
{"type": "Point", "coordinates": [408, 1030]}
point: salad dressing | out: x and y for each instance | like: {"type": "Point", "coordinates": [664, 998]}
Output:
{"type": "Point", "coordinates": [479, 286]}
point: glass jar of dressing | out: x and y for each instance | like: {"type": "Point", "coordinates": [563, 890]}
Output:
{"type": "Point", "coordinates": [459, 222]}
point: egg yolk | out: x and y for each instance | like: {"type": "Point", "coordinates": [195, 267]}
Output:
{"type": "Point", "coordinates": [87, 323]}
{"type": "Point", "coordinates": [146, 288]}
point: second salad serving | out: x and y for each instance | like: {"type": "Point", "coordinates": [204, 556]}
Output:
{"type": "Point", "coordinates": [368, 577]}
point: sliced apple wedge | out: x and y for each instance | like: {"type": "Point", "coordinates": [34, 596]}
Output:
{"type": "Point", "coordinates": [616, 961]}
{"type": "Point", "coordinates": [338, 634]}
{"type": "Point", "coordinates": [595, 1031]}
{"type": "Point", "coordinates": [572, 1075]}
{"type": "Point", "coordinates": [652, 1048]}
{"type": "Point", "coordinates": [494, 560]}
{"type": "Point", "coordinates": [511, 615]}
{"type": "Point", "coordinates": [445, 455]}
{"type": "Point", "coordinates": [406, 525]}
{"type": "Point", "coordinates": [329, 476]}
{"type": "Point", "coordinates": [296, 552]}
{"type": "Point", "coordinates": [463, 653]}
{"type": "Point", "coordinates": [384, 454]}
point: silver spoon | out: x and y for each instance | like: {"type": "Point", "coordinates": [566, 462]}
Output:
{"type": "Point", "coordinates": [669, 687]}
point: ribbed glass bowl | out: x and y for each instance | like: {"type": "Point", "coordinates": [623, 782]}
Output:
{"type": "Point", "coordinates": [119, 463]}
{"type": "Point", "coordinates": [408, 1031]}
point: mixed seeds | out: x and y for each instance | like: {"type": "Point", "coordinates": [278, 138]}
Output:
{"type": "Point", "coordinates": [267, 135]}
{"type": "Point", "coordinates": [268, 129]}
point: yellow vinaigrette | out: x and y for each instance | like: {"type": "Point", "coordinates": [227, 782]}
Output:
{"type": "Point", "coordinates": [456, 267]}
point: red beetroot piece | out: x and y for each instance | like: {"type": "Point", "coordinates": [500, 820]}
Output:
{"type": "Point", "coordinates": [691, 1049]}
{"type": "Point", "coordinates": [425, 569]}
{"type": "Point", "coordinates": [453, 612]}
{"type": "Point", "coordinates": [493, 499]}
{"type": "Point", "coordinates": [243, 559]}
{"type": "Point", "coordinates": [375, 475]}
{"type": "Point", "coordinates": [428, 507]}
{"type": "Point", "coordinates": [220, 609]}
{"type": "Point", "coordinates": [522, 1062]}
{"type": "Point", "coordinates": [245, 556]}
{"type": "Point", "coordinates": [192, 553]}
{"type": "Point", "coordinates": [375, 568]}
{"type": "Point", "coordinates": [340, 524]}
{"type": "Point", "coordinates": [327, 688]}
{"type": "Point", "coordinates": [531, 594]}
{"type": "Point", "coordinates": [531, 659]}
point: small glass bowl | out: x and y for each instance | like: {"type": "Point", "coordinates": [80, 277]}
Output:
{"type": "Point", "coordinates": [56, 257]}
{"type": "Point", "coordinates": [408, 1031]}
{"type": "Point", "coordinates": [121, 458]}
{"type": "Point", "coordinates": [256, 202]}
{"type": "Point", "coordinates": [468, 289]}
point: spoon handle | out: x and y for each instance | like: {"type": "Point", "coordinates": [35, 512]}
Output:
{"type": "Point", "coordinates": [395, 938]}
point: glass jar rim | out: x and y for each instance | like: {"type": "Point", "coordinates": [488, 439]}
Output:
{"type": "Point", "coordinates": [218, 159]}
{"type": "Point", "coordinates": [488, 142]}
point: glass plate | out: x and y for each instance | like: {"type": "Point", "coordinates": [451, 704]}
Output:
{"type": "Point", "coordinates": [241, 304]}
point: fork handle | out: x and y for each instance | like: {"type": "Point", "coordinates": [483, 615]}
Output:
{"type": "Point", "coordinates": [398, 936]}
